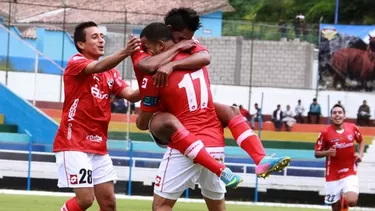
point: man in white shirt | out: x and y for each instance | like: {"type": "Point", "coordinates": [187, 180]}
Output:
{"type": "Point", "coordinates": [299, 112]}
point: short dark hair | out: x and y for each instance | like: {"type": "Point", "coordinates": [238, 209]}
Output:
{"type": "Point", "coordinates": [79, 32]}
{"type": "Point", "coordinates": [338, 106]}
{"type": "Point", "coordinates": [156, 31]}
{"type": "Point", "coordinates": [182, 18]}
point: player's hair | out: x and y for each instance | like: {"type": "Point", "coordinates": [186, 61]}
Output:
{"type": "Point", "coordinates": [182, 18]}
{"type": "Point", "coordinates": [338, 106]}
{"type": "Point", "coordinates": [79, 32]}
{"type": "Point", "coordinates": [156, 31]}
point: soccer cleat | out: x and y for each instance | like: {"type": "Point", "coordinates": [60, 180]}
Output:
{"type": "Point", "coordinates": [230, 179]}
{"type": "Point", "coordinates": [271, 164]}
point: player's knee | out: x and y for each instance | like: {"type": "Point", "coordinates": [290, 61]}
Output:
{"type": "Point", "coordinates": [352, 201]}
{"type": "Point", "coordinates": [85, 201]}
{"type": "Point", "coordinates": [172, 123]}
{"type": "Point", "coordinates": [108, 204]}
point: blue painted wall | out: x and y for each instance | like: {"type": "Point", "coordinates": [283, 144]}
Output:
{"type": "Point", "coordinates": [211, 25]}
{"type": "Point", "coordinates": [22, 58]}
{"type": "Point", "coordinates": [22, 113]}
{"type": "Point", "coordinates": [50, 43]}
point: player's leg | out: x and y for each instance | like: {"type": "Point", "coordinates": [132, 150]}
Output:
{"type": "Point", "coordinates": [72, 169]}
{"type": "Point", "coordinates": [166, 126]}
{"type": "Point", "coordinates": [212, 188]}
{"type": "Point", "coordinates": [333, 191]}
{"type": "Point", "coordinates": [103, 177]}
{"type": "Point", "coordinates": [176, 173]}
{"type": "Point", "coordinates": [249, 141]}
{"type": "Point", "coordinates": [350, 192]}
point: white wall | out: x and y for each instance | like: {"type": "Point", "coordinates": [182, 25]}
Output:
{"type": "Point", "coordinates": [48, 89]}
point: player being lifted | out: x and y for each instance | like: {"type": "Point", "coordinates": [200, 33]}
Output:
{"type": "Point", "coordinates": [336, 143]}
{"type": "Point", "coordinates": [188, 97]}
{"type": "Point", "coordinates": [183, 23]}
{"type": "Point", "coordinates": [81, 140]}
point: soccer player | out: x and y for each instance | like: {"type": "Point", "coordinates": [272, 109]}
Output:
{"type": "Point", "coordinates": [336, 144]}
{"type": "Point", "coordinates": [184, 22]}
{"type": "Point", "coordinates": [81, 140]}
{"type": "Point", "coordinates": [188, 97]}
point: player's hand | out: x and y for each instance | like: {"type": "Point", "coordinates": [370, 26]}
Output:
{"type": "Point", "coordinates": [331, 152]}
{"type": "Point", "coordinates": [132, 45]}
{"type": "Point", "coordinates": [358, 158]}
{"type": "Point", "coordinates": [160, 78]}
{"type": "Point", "coordinates": [184, 45]}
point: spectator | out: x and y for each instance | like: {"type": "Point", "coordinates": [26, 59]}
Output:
{"type": "Point", "coordinates": [283, 28]}
{"type": "Point", "coordinates": [132, 108]}
{"type": "Point", "coordinates": [288, 118]}
{"type": "Point", "coordinates": [277, 117]}
{"type": "Point", "coordinates": [299, 112]}
{"type": "Point", "coordinates": [314, 111]}
{"type": "Point", "coordinates": [257, 116]}
{"type": "Point", "coordinates": [363, 115]}
{"type": "Point", "coordinates": [118, 105]}
{"type": "Point", "coordinates": [245, 113]}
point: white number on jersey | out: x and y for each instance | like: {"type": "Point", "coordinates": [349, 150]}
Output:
{"type": "Point", "coordinates": [187, 83]}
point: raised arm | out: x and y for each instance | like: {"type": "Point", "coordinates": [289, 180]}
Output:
{"type": "Point", "coordinates": [113, 60]}
{"type": "Point", "coordinates": [150, 65]}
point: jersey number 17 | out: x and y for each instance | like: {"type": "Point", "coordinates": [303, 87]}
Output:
{"type": "Point", "coordinates": [187, 83]}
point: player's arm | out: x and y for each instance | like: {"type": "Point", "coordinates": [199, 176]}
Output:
{"type": "Point", "coordinates": [130, 94]}
{"type": "Point", "coordinates": [150, 64]}
{"type": "Point", "coordinates": [361, 144]}
{"type": "Point", "coordinates": [199, 58]}
{"type": "Point", "coordinates": [113, 60]}
{"type": "Point", "coordinates": [320, 147]}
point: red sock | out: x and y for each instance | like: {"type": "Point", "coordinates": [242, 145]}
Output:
{"type": "Point", "coordinates": [191, 147]}
{"type": "Point", "coordinates": [246, 138]}
{"type": "Point", "coordinates": [71, 205]}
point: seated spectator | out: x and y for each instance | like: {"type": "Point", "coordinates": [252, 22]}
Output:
{"type": "Point", "coordinates": [288, 118]}
{"type": "Point", "coordinates": [363, 115]}
{"type": "Point", "coordinates": [245, 113]}
{"type": "Point", "coordinates": [118, 105]}
{"type": "Point", "coordinates": [277, 117]}
{"type": "Point", "coordinates": [299, 112]}
{"type": "Point", "coordinates": [314, 111]}
{"type": "Point", "coordinates": [257, 116]}
{"type": "Point", "coordinates": [132, 108]}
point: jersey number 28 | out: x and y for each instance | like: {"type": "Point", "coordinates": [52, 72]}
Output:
{"type": "Point", "coordinates": [187, 83]}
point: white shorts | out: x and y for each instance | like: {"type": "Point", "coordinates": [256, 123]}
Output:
{"type": "Point", "coordinates": [335, 189]}
{"type": "Point", "coordinates": [177, 173]}
{"type": "Point", "coordinates": [80, 169]}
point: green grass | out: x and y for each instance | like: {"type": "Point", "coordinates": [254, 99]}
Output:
{"type": "Point", "coordinates": [49, 203]}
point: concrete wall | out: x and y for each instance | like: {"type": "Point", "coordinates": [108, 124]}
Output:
{"type": "Point", "coordinates": [235, 61]}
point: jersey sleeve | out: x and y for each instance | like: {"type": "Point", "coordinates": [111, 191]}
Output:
{"type": "Point", "coordinates": [138, 56]}
{"type": "Point", "coordinates": [357, 134]}
{"type": "Point", "coordinates": [321, 142]}
{"type": "Point", "coordinates": [118, 84]}
{"type": "Point", "coordinates": [150, 96]}
{"type": "Point", "coordinates": [198, 48]}
{"type": "Point", "coordinates": [76, 65]}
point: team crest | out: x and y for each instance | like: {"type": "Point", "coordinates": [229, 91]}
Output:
{"type": "Point", "coordinates": [110, 83]}
{"type": "Point", "coordinates": [350, 137]}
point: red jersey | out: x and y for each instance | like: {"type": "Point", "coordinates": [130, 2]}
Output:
{"type": "Point", "coordinates": [343, 164]}
{"type": "Point", "coordinates": [141, 54]}
{"type": "Point", "coordinates": [188, 96]}
{"type": "Point", "coordinates": [86, 110]}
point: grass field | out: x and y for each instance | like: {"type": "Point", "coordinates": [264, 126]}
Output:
{"type": "Point", "coordinates": [54, 203]}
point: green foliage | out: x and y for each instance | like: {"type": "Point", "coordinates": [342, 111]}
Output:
{"type": "Point", "coordinates": [350, 11]}
{"type": "Point", "coordinates": [3, 65]}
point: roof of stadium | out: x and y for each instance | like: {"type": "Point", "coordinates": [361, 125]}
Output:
{"type": "Point", "coordinates": [135, 12]}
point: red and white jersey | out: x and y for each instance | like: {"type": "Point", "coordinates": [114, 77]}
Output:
{"type": "Point", "coordinates": [343, 164]}
{"type": "Point", "coordinates": [188, 96]}
{"type": "Point", "coordinates": [86, 110]}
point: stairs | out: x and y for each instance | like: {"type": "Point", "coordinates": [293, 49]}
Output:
{"type": "Point", "coordinates": [10, 139]}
